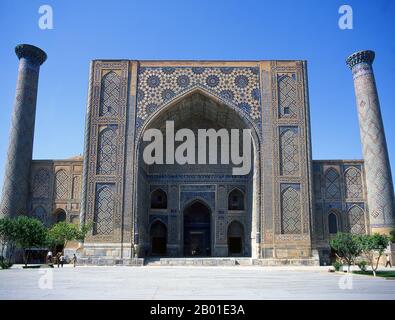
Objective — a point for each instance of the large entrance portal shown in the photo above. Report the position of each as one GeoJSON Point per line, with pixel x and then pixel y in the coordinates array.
{"type": "Point", "coordinates": [197, 231]}
{"type": "Point", "coordinates": [194, 196]}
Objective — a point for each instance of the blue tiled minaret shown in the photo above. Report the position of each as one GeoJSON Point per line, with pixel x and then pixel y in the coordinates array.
{"type": "Point", "coordinates": [19, 156]}
{"type": "Point", "coordinates": [380, 190]}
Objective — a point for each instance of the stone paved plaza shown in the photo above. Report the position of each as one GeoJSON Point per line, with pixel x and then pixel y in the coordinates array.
{"type": "Point", "coordinates": [191, 283]}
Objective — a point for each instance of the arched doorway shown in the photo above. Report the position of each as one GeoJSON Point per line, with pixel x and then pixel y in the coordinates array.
{"type": "Point", "coordinates": [235, 239]}
{"type": "Point", "coordinates": [197, 229]}
{"type": "Point", "coordinates": [59, 216]}
{"type": "Point", "coordinates": [332, 223]}
{"type": "Point", "coordinates": [158, 235]}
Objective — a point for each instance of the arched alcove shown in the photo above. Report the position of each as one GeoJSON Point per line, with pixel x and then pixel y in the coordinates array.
{"type": "Point", "coordinates": [333, 226]}
{"type": "Point", "coordinates": [158, 236]}
{"type": "Point", "coordinates": [235, 236]}
{"type": "Point", "coordinates": [158, 199]}
{"type": "Point", "coordinates": [195, 110]}
{"type": "Point", "coordinates": [236, 200]}
{"type": "Point", "coordinates": [59, 215]}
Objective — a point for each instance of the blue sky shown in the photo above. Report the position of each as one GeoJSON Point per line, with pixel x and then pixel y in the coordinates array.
{"type": "Point", "coordinates": [197, 29]}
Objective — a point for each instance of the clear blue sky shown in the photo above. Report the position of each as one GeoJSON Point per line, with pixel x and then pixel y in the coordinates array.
{"type": "Point", "coordinates": [197, 29]}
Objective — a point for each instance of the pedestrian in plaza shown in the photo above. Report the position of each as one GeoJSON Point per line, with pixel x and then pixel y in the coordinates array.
{"type": "Point", "coordinates": [61, 258]}
{"type": "Point", "coordinates": [74, 260]}
{"type": "Point", "coordinates": [49, 256]}
{"type": "Point", "coordinates": [388, 262]}
{"type": "Point", "coordinates": [58, 258]}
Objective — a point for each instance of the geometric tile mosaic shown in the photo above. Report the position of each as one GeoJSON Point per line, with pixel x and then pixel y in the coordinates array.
{"type": "Point", "coordinates": [287, 99]}
{"type": "Point", "coordinates": [332, 183]}
{"type": "Point", "coordinates": [109, 102]}
{"type": "Point", "coordinates": [353, 183]}
{"type": "Point", "coordinates": [289, 152]}
{"type": "Point", "coordinates": [235, 86]}
{"type": "Point", "coordinates": [290, 212]}
{"type": "Point", "coordinates": [61, 184]}
{"type": "Point", "coordinates": [107, 152]}
{"type": "Point", "coordinates": [41, 184]}
{"type": "Point", "coordinates": [356, 220]}
{"type": "Point", "coordinates": [104, 211]}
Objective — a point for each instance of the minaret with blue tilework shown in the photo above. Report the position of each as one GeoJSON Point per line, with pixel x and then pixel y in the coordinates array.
{"type": "Point", "coordinates": [380, 190]}
{"type": "Point", "coordinates": [20, 148]}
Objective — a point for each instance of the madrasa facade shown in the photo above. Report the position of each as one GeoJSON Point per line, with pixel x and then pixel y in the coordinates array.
{"type": "Point", "coordinates": [284, 210]}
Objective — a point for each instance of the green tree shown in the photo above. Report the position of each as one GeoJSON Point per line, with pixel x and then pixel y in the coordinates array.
{"type": "Point", "coordinates": [84, 229]}
{"type": "Point", "coordinates": [373, 247]}
{"type": "Point", "coordinates": [63, 232]}
{"type": "Point", "coordinates": [346, 247]}
{"type": "Point", "coordinates": [392, 235]}
{"type": "Point", "coordinates": [29, 233]}
{"type": "Point", "coordinates": [7, 241]}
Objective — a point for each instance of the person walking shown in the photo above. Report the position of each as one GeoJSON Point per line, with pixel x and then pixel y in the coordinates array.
{"type": "Point", "coordinates": [58, 258]}
{"type": "Point", "coordinates": [388, 262]}
{"type": "Point", "coordinates": [61, 258]}
{"type": "Point", "coordinates": [74, 260]}
{"type": "Point", "coordinates": [49, 256]}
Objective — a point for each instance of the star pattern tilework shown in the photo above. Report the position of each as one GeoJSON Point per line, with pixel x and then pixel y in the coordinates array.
{"type": "Point", "coordinates": [236, 86]}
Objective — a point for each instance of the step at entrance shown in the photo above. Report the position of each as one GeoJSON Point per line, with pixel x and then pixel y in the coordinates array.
{"type": "Point", "coordinates": [152, 261]}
